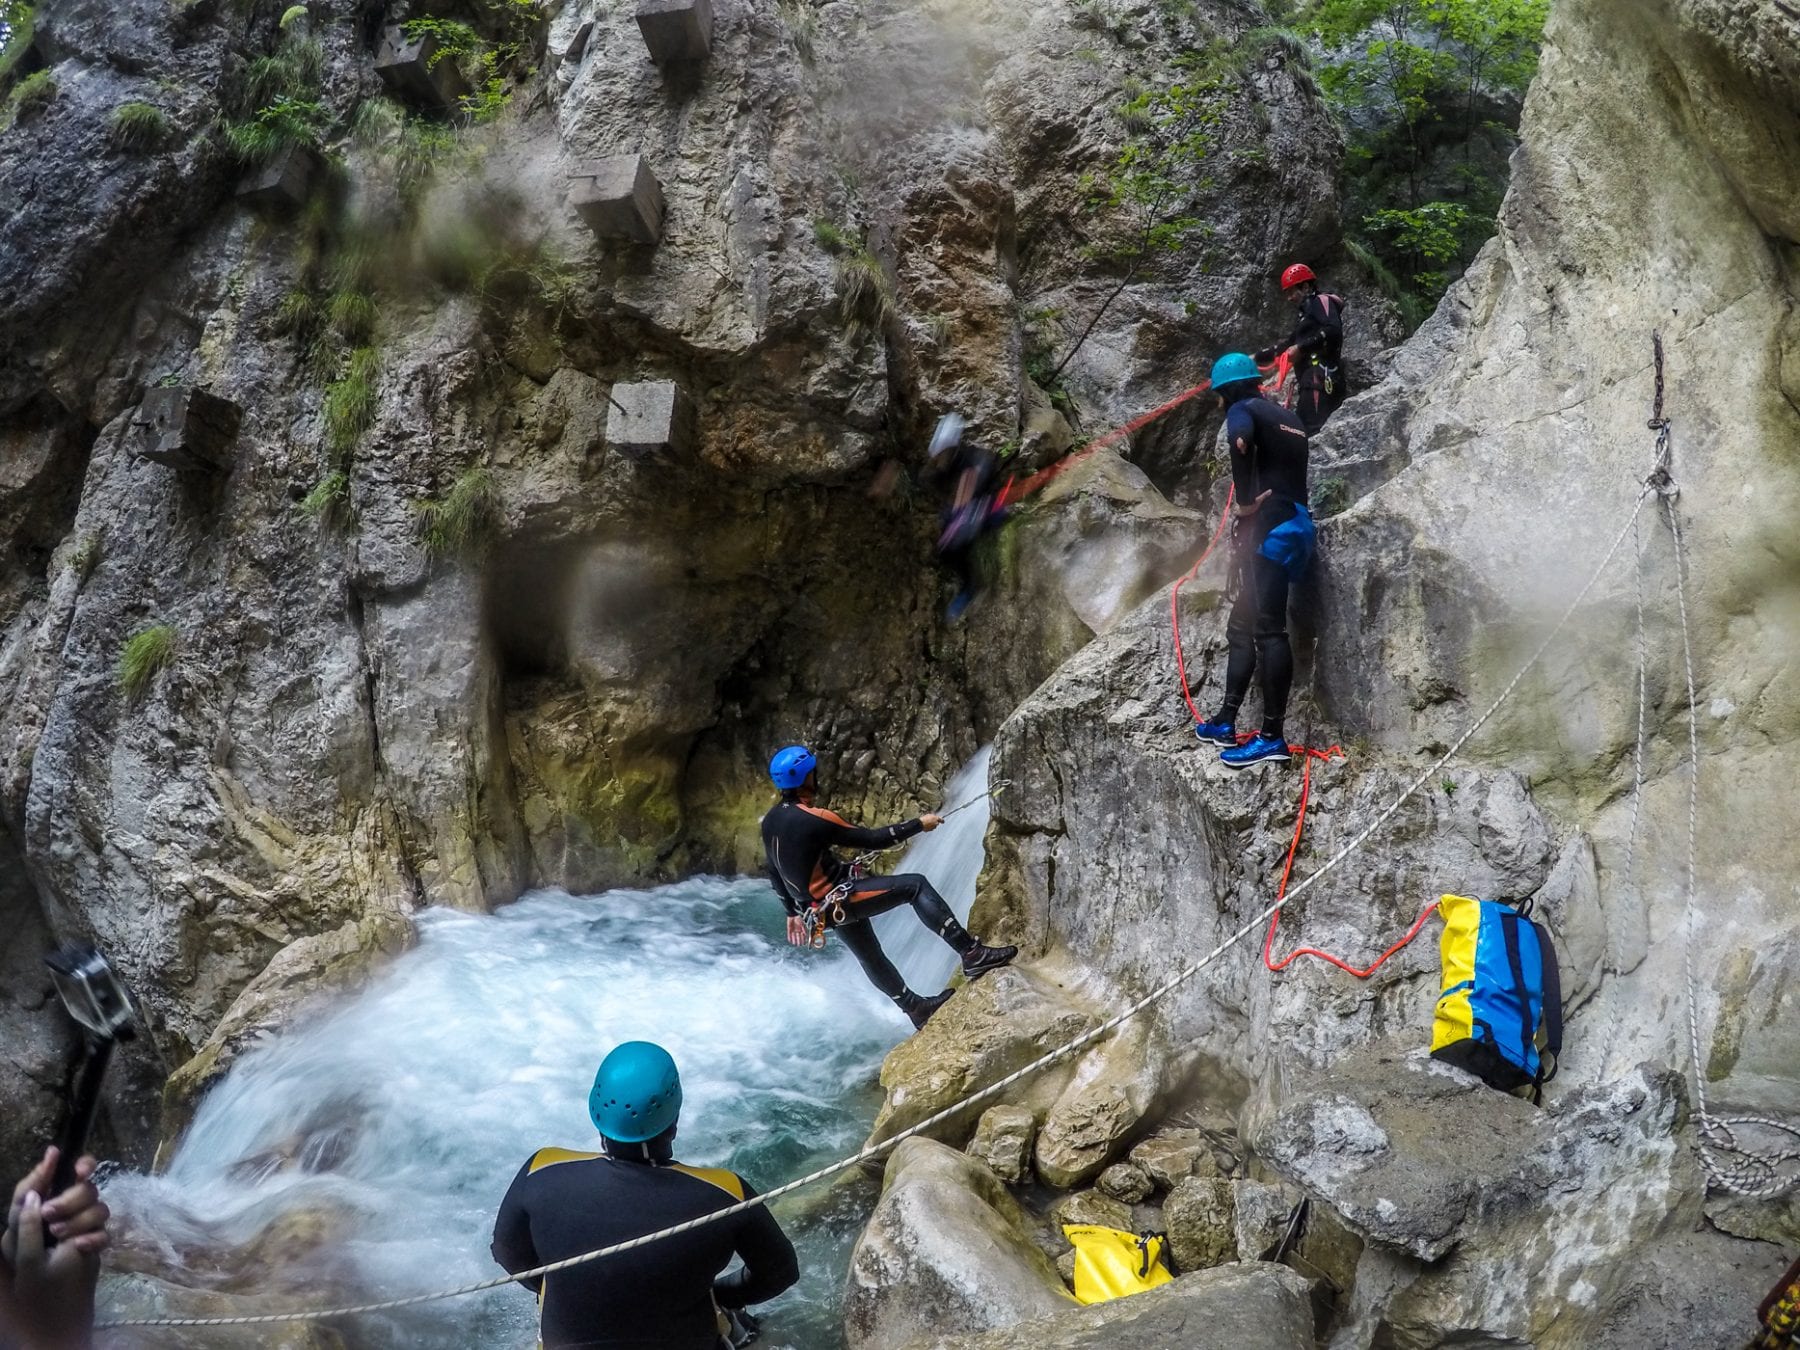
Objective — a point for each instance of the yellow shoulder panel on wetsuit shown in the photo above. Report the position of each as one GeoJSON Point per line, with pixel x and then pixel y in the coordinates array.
{"type": "Point", "coordinates": [729, 1182]}
{"type": "Point", "coordinates": [548, 1157]}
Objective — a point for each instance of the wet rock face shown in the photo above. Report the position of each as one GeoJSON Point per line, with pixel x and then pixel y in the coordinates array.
{"type": "Point", "coordinates": [1255, 1307]}
{"type": "Point", "coordinates": [1487, 1216]}
{"type": "Point", "coordinates": [946, 1251]}
{"type": "Point", "coordinates": [589, 700]}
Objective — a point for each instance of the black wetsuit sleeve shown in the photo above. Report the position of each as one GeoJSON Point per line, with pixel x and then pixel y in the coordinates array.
{"type": "Point", "coordinates": [781, 891]}
{"type": "Point", "coordinates": [770, 1266]}
{"type": "Point", "coordinates": [512, 1246]}
{"type": "Point", "coordinates": [878, 836]}
{"type": "Point", "coordinates": [1240, 439]}
{"type": "Point", "coordinates": [1311, 331]}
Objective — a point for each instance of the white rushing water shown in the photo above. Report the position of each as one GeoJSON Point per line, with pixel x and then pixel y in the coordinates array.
{"type": "Point", "coordinates": [951, 857]}
{"type": "Point", "coordinates": [391, 1125]}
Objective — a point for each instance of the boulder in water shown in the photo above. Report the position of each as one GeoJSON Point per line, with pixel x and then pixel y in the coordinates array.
{"type": "Point", "coordinates": [947, 1250]}
{"type": "Point", "coordinates": [302, 973]}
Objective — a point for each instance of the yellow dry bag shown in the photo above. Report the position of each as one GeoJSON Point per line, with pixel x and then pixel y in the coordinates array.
{"type": "Point", "coordinates": [1111, 1264]}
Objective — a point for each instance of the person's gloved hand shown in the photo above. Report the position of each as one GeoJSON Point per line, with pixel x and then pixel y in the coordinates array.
{"type": "Point", "coordinates": [1266, 357]}
{"type": "Point", "coordinates": [47, 1293]}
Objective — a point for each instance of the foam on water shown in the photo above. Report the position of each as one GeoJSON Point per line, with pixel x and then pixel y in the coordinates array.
{"type": "Point", "coordinates": [413, 1103]}
{"type": "Point", "coordinates": [951, 856]}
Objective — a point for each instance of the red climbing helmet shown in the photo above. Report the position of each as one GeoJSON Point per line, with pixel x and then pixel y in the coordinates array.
{"type": "Point", "coordinates": [1295, 274]}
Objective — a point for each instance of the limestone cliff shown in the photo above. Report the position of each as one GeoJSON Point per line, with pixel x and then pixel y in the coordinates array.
{"type": "Point", "coordinates": [1474, 491]}
{"type": "Point", "coordinates": [874, 212]}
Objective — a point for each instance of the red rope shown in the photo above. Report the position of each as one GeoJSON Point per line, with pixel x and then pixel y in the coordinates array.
{"type": "Point", "coordinates": [1175, 606]}
{"type": "Point", "coordinates": [1283, 368]}
{"type": "Point", "coordinates": [1362, 973]}
{"type": "Point", "coordinates": [1013, 491]}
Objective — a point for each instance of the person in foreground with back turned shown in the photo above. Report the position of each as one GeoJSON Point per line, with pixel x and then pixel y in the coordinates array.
{"type": "Point", "coordinates": [668, 1294]}
{"type": "Point", "coordinates": [798, 836]}
{"type": "Point", "coordinates": [1272, 546]}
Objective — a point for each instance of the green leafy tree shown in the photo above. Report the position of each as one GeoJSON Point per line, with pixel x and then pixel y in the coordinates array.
{"type": "Point", "coordinates": [1411, 79]}
{"type": "Point", "coordinates": [1427, 237]}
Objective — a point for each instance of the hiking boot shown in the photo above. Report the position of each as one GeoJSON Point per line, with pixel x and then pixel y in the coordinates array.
{"type": "Point", "coordinates": [1261, 750]}
{"type": "Point", "coordinates": [920, 1008]}
{"type": "Point", "coordinates": [984, 959]}
{"type": "Point", "coordinates": [1216, 733]}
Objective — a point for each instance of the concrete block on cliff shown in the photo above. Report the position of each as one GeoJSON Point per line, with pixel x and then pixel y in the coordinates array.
{"type": "Point", "coordinates": [651, 418]}
{"type": "Point", "coordinates": [676, 30]}
{"type": "Point", "coordinates": [417, 71]}
{"type": "Point", "coordinates": [186, 428]}
{"type": "Point", "coordinates": [618, 198]}
{"type": "Point", "coordinates": [281, 187]}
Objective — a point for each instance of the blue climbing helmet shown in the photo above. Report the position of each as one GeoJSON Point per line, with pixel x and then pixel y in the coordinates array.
{"type": "Point", "coordinates": [791, 766]}
{"type": "Point", "coordinates": [1233, 368]}
{"type": "Point", "coordinates": [637, 1093]}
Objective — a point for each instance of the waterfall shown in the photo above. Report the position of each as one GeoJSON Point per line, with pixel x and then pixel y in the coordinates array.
{"type": "Point", "coordinates": [362, 1154]}
{"type": "Point", "coordinates": [393, 1122]}
{"type": "Point", "coordinates": [950, 857]}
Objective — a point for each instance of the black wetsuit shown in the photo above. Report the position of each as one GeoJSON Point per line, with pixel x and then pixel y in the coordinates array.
{"type": "Point", "coordinates": [1318, 361]}
{"type": "Point", "coordinates": [563, 1203]}
{"type": "Point", "coordinates": [971, 470]}
{"type": "Point", "coordinates": [1268, 451]}
{"type": "Point", "coordinates": [798, 839]}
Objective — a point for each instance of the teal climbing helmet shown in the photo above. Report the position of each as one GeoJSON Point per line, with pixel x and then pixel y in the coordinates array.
{"type": "Point", "coordinates": [1234, 368]}
{"type": "Point", "coordinates": [637, 1093]}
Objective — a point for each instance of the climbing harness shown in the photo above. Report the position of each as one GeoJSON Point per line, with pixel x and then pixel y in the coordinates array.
{"type": "Point", "coordinates": [832, 906]}
{"type": "Point", "coordinates": [993, 1090]}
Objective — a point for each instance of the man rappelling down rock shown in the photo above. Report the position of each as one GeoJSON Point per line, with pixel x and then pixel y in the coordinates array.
{"type": "Point", "coordinates": [820, 891]}
{"type": "Point", "coordinates": [1271, 547]}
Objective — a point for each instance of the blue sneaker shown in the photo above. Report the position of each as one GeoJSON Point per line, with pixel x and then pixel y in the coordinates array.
{"type": "Point", "coordinates": [1216, 733]}
{"type": "Point", "coordinates": [959, 605]}
{"type": "Point", "coordinates": [1255, 752]}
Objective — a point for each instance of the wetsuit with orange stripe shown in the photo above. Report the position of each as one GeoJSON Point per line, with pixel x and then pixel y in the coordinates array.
{"type": "Point", "coordinates": [798, 839]}
{"type": "Point", "coordinates": [663, 1295]}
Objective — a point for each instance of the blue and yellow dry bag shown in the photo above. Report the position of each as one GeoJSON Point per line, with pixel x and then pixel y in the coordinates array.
{"type": "Point", "coordinates": [1110, 1263]}
{"type": "Point", "coordinates": [1500, 1013]}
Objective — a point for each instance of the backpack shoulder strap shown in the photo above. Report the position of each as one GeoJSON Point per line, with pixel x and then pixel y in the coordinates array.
{"type": "Point", "coordinates": [1553, 1023]}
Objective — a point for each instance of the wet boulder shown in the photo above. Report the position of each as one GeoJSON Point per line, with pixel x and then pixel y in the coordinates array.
{"type": "Point", "coordinates": [1244, 1307]}
{"type": "Point", "coordinates": [1003, 1139]}
{"type": "Point", "coordinates": [947, 1250]}
{"type": "Point", "coordinates": [1200, 1217]}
